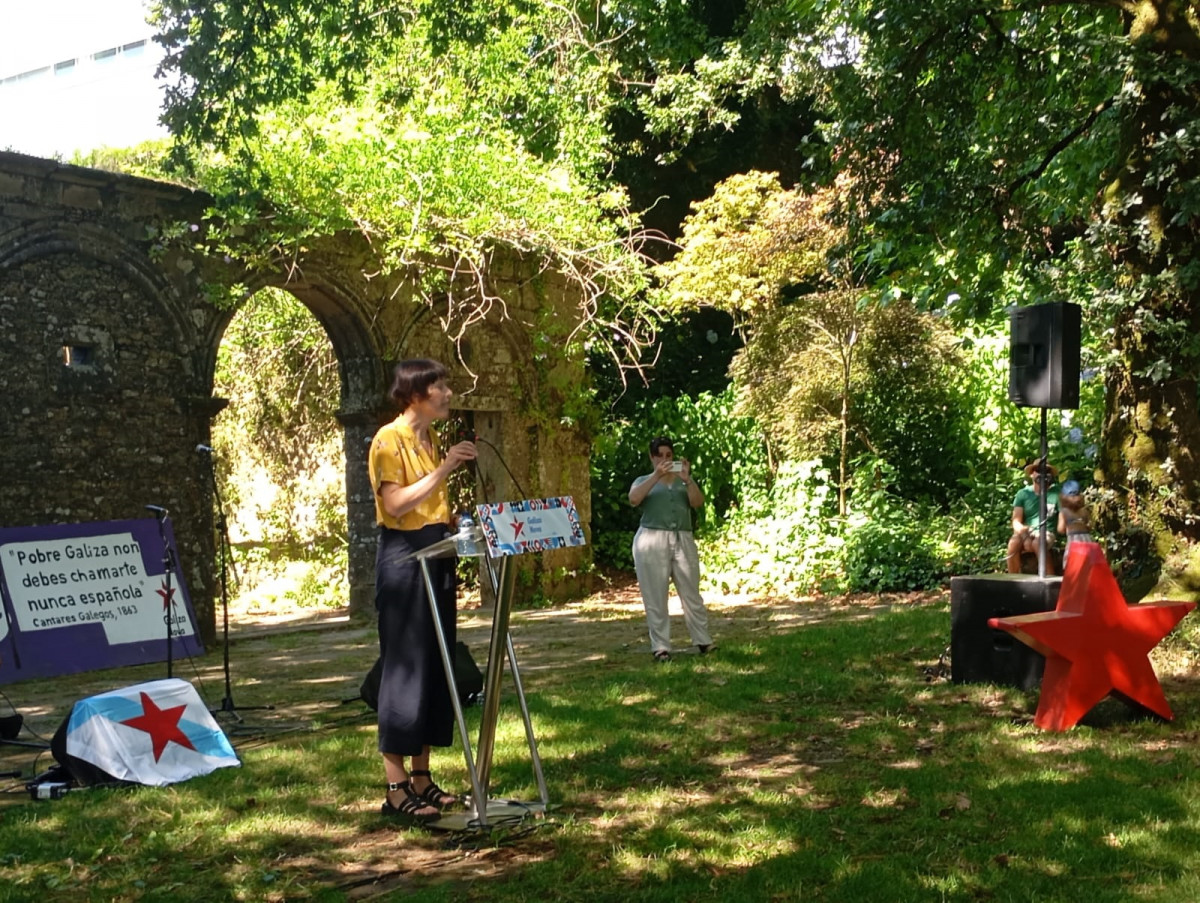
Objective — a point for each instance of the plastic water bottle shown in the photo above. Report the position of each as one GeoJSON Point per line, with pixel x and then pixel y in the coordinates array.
{"type": "Point", "coordinates": [464, 540]}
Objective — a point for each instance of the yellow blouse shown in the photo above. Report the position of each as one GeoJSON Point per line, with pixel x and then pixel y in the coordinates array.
{"type": "Point", "coordinates": [397, 457]}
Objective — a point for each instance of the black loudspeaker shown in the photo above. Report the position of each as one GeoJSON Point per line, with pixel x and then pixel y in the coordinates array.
{"type": "Point", "coordinates": [982, 654]}
{"type": "Point", "coordinates": [1043, 355]}
{"type": "Point", "coordinates": [10, 726]}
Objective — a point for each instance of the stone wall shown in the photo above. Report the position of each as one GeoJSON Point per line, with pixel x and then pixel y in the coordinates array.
{"type": "Point", "coordinates": [104, 405]}
{"type": "Point", "coordinates": [108, 346]}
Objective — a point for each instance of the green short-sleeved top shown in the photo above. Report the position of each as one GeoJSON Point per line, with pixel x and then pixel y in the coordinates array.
{"type": "Point", "coordinates": [666, 506]}
{"type": "Point", "coordinates": [1027, 500]}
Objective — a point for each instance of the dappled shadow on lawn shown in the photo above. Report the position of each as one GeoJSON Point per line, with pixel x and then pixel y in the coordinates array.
{"type": "Point", "coordinates": [810, 757]}
{"type": "Point", "coordinates": [852, 777]}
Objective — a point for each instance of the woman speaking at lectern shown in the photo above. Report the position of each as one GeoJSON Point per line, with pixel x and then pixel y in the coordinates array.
{"type": "Point", "coordinates": [408, 471]}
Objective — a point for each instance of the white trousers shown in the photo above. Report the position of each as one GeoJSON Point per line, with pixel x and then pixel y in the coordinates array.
{"type": "Point", "coordinates": [659, 557]}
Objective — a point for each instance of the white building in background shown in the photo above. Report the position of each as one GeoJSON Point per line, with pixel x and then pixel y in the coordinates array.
{"type": "Point", "coordinates": [76, 75]}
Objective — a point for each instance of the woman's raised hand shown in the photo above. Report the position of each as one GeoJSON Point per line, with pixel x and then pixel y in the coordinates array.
{"type": "Point", "coordinates": [460, 453]}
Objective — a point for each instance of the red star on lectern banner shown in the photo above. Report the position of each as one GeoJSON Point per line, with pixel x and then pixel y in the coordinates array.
{"type": "Point", "coordinates": [1095, 643]}
{"type": "Point", "coordinates": [161, 724]}
{"type": "Point", "coordinates": [168, 595]}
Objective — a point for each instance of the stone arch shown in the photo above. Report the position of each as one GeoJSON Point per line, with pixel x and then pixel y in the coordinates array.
{"type": "Point", "coordinates": [30, 242]}
{"type": "Point", "coordinates": [356, 346]}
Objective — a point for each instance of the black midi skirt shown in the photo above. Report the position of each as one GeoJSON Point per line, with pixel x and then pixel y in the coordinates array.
{"type": "Point", "coordinates": [414, 698]}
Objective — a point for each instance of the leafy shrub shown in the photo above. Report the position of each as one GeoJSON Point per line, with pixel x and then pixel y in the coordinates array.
{"type": "Point", "coordinates": [783, 541]}
{"type": "Point", "coordinates": [1135, 562]}
{"type": "Point", "coordinates": [910, 403]}
{"type": "Point", "coordinates": [971, 542]}
{"type": "Point", "coordinates": [891, 551]}
{"type": "Point", "coordinates": [614, 548]}
{"type": "Point", "coordinates": [826, 376]}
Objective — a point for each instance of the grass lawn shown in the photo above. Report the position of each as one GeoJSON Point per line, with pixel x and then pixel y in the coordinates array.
{"type": "Point", "coordinates": [808, 759]}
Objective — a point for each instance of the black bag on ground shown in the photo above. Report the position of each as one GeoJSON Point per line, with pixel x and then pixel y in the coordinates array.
{"type": "Point", "coordinates": [84, 773]}
{"type": "Point", "coordinates": [467, 677]}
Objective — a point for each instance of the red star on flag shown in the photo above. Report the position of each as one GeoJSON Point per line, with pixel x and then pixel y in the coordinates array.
{"type": "Point", "coordinates": [518, 526]}
{"type": "Point", "coordinates": [168, 595]}
{"type": "Point", "coordinates": [1095, 643]}
{"type": "Point", "coordinates": [161, 724]}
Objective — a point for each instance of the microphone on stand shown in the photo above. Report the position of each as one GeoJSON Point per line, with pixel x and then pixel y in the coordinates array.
{"type": "Point", "coordinates": [159, 512]}
{"type": "Point", "coordinates": [464, 433]}
{"type": "Point", "coordinates": [204, 449]}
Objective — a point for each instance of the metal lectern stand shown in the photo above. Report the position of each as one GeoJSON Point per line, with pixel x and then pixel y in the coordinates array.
{"type": "Point", "coordinates": [483, 810]}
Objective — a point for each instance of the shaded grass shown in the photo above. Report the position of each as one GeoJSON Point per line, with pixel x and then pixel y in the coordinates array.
{"type": "Point", "coordinates": [812, 764]}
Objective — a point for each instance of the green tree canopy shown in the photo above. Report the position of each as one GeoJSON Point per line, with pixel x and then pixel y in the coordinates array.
{"type": "Point", "coordinates": [438, 140]}
{"type": "Point", "coordinates": [826, 370]}
{"type": "Point", "coordinates": [1000, 152]}
{"type": "Point", "coordinates": [747, 244]}
{"type": "Point", "coordinates": [1015, 153]}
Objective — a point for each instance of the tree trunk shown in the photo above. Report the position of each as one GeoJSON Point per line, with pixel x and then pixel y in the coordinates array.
{"type": "Point", "coordinates": [1149, 471]}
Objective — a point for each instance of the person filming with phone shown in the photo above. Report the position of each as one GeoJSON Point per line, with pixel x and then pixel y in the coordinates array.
{"type": "Point", "coordinates": [664, 549]}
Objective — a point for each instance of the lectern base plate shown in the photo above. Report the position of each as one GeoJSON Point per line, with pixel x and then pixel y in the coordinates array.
{"type": "Point", "coordinates": [500, 813]}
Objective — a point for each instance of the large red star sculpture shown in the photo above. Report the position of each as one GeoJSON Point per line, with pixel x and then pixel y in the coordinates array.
{"type": "Point", "coordinates": [161, 724]}
{"type": "Point", "coordinates": [1095, 643]}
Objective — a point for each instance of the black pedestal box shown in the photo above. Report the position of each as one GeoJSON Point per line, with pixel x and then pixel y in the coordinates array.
{"type": "Point", "coordinates": [981, 654]}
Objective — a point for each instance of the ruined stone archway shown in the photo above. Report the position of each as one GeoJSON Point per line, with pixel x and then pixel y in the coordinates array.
{"type": "Point", "coordinates": [361, 405]}
{"type": "Point", "coordinates": [83, 266]}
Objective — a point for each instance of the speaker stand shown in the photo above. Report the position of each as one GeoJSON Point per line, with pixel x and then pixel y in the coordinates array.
{"type": "Point", "coordinates": [1042, 502]}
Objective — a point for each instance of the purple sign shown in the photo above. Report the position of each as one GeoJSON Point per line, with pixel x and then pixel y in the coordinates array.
{"type": "Point", "coordinates": [79, 597]}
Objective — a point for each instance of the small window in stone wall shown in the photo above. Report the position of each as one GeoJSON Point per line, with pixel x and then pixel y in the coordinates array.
{"type": "Point", "coordinates": [79, 356]}
{"type": "Point", "coordinates": [86, 359]}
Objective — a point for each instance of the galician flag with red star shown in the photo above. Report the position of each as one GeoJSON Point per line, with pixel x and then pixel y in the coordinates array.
{"type": "Point", "coordinates": [155, 733]}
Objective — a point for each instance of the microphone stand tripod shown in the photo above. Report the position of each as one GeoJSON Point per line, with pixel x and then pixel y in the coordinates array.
{"type": "Point", "coordinates": [226, 568]}
{"type": "Point", "coordinates": [160, 514]}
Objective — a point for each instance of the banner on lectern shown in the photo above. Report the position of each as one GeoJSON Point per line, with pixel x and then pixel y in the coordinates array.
{"type": "Point", "coordinates": [80, 597]}
{"type": "Point", "coordinates": [530, 525]}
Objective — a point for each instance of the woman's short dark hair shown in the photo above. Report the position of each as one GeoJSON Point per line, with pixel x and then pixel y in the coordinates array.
{"type": "Point", "coordinates": [657, 445]}
{"type": "Point", "coordinates": [412, 378]}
